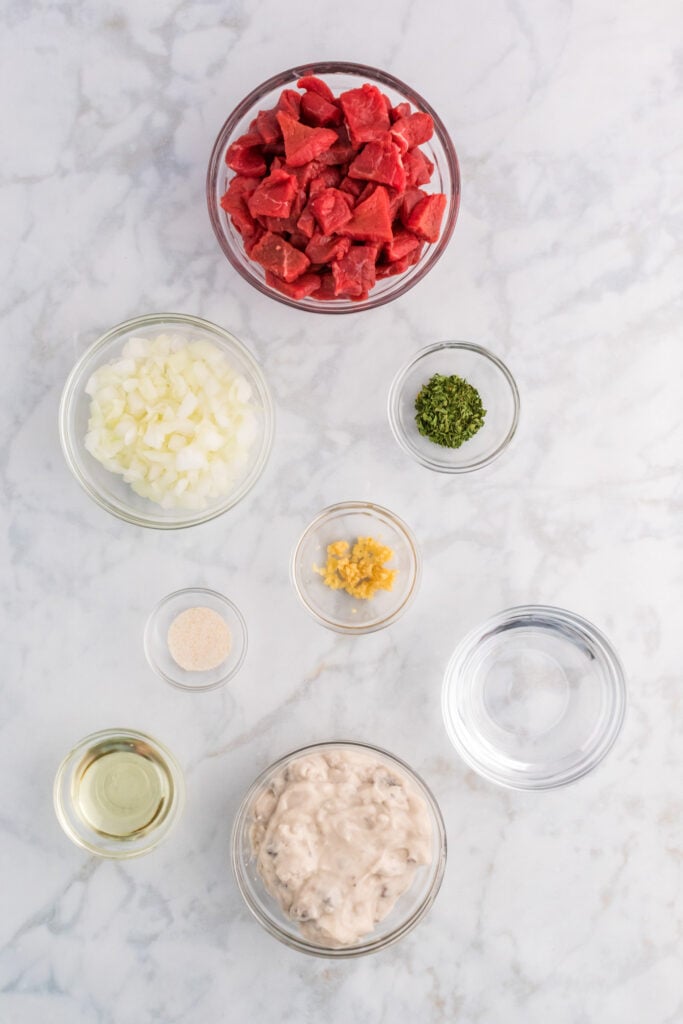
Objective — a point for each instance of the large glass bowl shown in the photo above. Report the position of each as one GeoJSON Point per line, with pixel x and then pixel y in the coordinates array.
{"type": "Point", "coordinates": [534, 697]}
{"type": "Point", "coordinates": [410, 908]}
{"type": "Point", "coordinates": [339, 75]}
{"type": "Point", "coordinates": [108, 489]}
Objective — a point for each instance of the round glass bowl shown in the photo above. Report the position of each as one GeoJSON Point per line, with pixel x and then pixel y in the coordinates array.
{"type": "Point", "coordinates": [118, 793]}
{"type": "Point", "coordinates": [156, 639]}
{"type": "Point", "coordinates": [487, 374]}
{"type": "Point", "coordinates": [534, 697]}
{"type": "Point", "coordinates": [336, 609]}
{"type": "Point", "coordinates": [340, 76]}
{"type": "Point", "coordinates": [410, 908]}
{"type": "Point", "coordinates": [109, 489]}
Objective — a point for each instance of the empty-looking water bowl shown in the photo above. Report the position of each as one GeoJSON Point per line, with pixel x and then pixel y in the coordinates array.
{"type": "Point", "coordinates": [534, 697]}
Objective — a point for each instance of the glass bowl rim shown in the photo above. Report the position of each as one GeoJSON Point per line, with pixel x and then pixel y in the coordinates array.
{"type": "Point", "coordinates": [402, 528]}
{"type": "Point", "coordinates": [74, 380]}
{"type": "Point", "coordinates": [157, 835]}
{"type": "Point", "coordinates": [616, 681]}
{"type": "Point", "coordinates": [327, 67]}
{"type": "Point", "coordinates": [396, 390]}
{"type": "Point", "coordinates": [207, 592]}
{"type": "Point", "coordinates": [299, 942]}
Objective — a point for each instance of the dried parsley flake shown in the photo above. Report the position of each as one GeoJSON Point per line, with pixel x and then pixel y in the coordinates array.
{"type": "Point", "coordinates": [448, 410]}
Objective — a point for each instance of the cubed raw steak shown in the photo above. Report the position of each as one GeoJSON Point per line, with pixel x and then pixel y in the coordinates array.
{"type": "Point", "coordinates": [371, 221]}
{"type": "Point", "coordinates": [303, 143]}
{"type": "Point", "coordinates": [277, 255]}
{"type": "Point", "coordinates": [366, 113]}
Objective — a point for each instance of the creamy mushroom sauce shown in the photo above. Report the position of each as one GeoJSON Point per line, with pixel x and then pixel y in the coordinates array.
{"type": "Point", "coordinates": [338, 836]}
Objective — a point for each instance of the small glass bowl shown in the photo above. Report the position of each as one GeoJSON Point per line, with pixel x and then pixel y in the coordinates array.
{"type": "Point", "coordinates": [487, 374]}
{"type": "Point", "coordinates": [339, 75]}
{"type": "Point", "coordinates": [156, 642]}
{"type": "Point", "coordinates": [69, 774]}
{"type": "Point", "coordinates": [336, 609]}
{"type": "Point", "coordinates": [108, 489]}
{"type": "Point", "coordinates": [534, 697]}
{"type": "Point", "coordinates": [409, 909]}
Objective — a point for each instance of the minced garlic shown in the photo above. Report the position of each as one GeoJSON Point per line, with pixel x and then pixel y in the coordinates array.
{"type": "Point", "coordinates": [362, 572]}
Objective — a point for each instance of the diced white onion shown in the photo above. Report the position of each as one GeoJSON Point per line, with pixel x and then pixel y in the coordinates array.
{"type": "Point", "coordinates": [173, 419]}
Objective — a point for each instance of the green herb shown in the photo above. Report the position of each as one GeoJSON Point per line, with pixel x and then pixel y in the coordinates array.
{"type": "Point", "coordinates": [448, 410]}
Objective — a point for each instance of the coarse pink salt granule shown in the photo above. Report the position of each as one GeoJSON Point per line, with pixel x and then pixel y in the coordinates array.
{"type": "Point", "coordinates": [198, 639]}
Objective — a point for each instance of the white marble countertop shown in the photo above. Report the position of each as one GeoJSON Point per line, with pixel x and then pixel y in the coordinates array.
{"type": "Point", "coordinates": [561, 907]}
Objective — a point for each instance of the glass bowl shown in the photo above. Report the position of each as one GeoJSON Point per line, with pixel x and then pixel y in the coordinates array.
{"type": "Point", "coordinates": [336, 609]}
{"type": "Point", "coordinates": [74, 781]}
{"type": "Point", "coordinates": [487, 374]}
{"type": "Point", "coordinates": [156, 643]}
{"type": "Point", "coordinates": [534, 697]}
{"type": "Point", "coordinates": [109, 489]}
{"type": "Point", "coordinates": [410, 908]}
{"type": "Point", "coordinates": [339, 75]}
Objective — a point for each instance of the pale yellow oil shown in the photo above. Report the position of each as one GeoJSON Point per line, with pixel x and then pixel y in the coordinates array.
{"type": "Point", "coordinates": [122, 788]}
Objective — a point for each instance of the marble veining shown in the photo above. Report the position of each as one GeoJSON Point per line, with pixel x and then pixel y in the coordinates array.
{"type": "Point", "coordinates": [560, 907]}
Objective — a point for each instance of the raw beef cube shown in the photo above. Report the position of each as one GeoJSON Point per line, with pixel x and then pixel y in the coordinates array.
{"type": "Point", "coordinates": [325, 248]}
{"type": "Point", "coordinates": [411, 198]}
{"type": "Point", "coordinates": [277, 255]}
{"type": "Point", "coordinates": [267, 126]}
{"type": "Point", "coordinates": [274, 196]}
{"type": "Point", "coordinates": [302, 143]}
{"type": "Point", "coordinates": [419, 168]}
{"type": "Point", "coordinates": [235, 200]}
{"type": "Point", "coordinates": [329, 177]}
{"type": "Point", "coordinates": [400, 110]}
{"type": "Point", "coordinates": [306, 222]}
{"type": "Point", "coordinates": [306, 172]}
{"type": "Point", "coordinates": [353, 186]}
{"type": "Point", "coordinates": [366, 113]}
{"type": "Point", "coordinates": [426, 216]}
{"type": "Point", "coordinates": [326, 290]}
{"type": "Point", "coordinates": [399, 266]}
{"type": "Point", "coordinates": [245, 156]}
{"type": "Point", "coordinates": [354, 274]}
{"type": "Point", "coordinates": [380, 163]}
{"type": "Point", "coordinates": [312, 84]}
{"type": "Point", "coordinates": [371, 220]}
{"type": "Point", "coordinates": [252, 240]}
{"type": "Point", "coordinates": [402, 243]}
{"type": "Point", "coordinates": [317, 111]}
{"type": "Point", "coordinates": [299, 289]}
{"type": "Point", "coordinates": [291, 223]}
{"type": "Point", "coordinates": [331, 210]}
{"type": "Point", "coordinates": [290, 103]}
{"type": "Point", "coordinates": [414, 129]}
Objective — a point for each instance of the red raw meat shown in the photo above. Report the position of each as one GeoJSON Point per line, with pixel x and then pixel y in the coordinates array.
{"type": "Point", "coordinates": [399, 266]}
{"type": "Point", "coordinates": [329, 177]}
{"type": "Point", "coordinates": [414, 129]}
{"type": "Point", "coordinates": [326, 290]}
{"type": "Point", "coordinates": [331, 210]}
{"type": "Point", "coordinates": [402, 243]}
{"type": "Point", "coordinates": [312, 84]}
{"type": "Point", "coordinates": [354, 186]}
{"type": "Point", "coordinates": [411, 197]}
{"type": "Point", "coordinates": [274, 196]}
{"type": "Point", "coordinates": [245, 155]}
{"type": "Point", "coordinates": [290, 103]}
{"type": "Point", "coordinates": [371, 220]}
{"type": "Point", "coordinates": [234, 202]}
{"type": "Point", "coordinates": [419, 168]}
{"type": "Point", "coordinates": [252, 240]}
{"type": "Point", "coordinates": [306, 172]}
{"type": "Point", "coordinates": [277, 255]}
{"type": "Point", "coordinates": [267, 126]}
{"type": "Point", "coordinates": [354, 274]}
{"type": "Point", "coordinates": [303, 143]}
{"type": "Point", "coordinates": [400, 110]}
{"type": "Point", "coordinates": [299, 289]}
{"type": "Point", "coordinates": [380, 163]}
{"type": "Point", "coordinates": [317, 111]}
{"type": "Point", "coordinates": [426, 216]}
{"type": "Point", "coordinates": [324, 248]}
{"type": "Point", "coordinates": [366, 113]}
{"type": "Point", "coordinates": [306, 222]}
